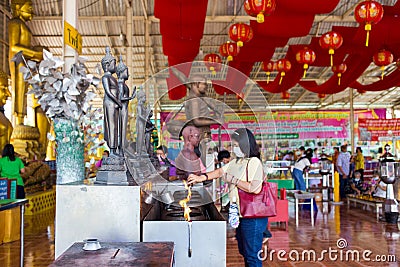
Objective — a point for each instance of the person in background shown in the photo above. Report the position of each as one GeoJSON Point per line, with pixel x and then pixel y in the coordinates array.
{"type": "Point", "coordinates": [11, 167]}
{"type": "Point", "coordinates": [106, 154]}
{"type": "Point", "coordinates": [315, 156]}
{"type": "Point", "coordinates": [249, 231]}
{"type": "Point", "coordinates": [289, 157]}
{"type": "Point", "coordinates": [386, 155]}
{"type": "Point", "coordinates": [224, 157]}
{"type": "Point", "coordinates": [162, 155]}
{"type": "Point", "coordinates": [379, 189]}
{"type": "Point", "coordinates": [301, 164]}
{"type": "Point", "coordinates": [352, 167]}
{"type": "Point", "coordinates": [359, 162]}
{"type": "Point", "coordinates": [335, 156]}
{"type": "Point", "coordinates": [356, 184]}
{"type": "Point", "coordinates": [343, 166]}
{"type": "Point", "coordinates": [215, 156]}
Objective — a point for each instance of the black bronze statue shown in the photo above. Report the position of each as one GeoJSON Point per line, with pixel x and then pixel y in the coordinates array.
{"type": "Point", "coordinates": [123, 75]}
{"type": "Point", "coordinates": [112, 104]}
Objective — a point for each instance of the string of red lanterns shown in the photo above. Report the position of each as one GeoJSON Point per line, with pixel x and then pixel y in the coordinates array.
{"type": "Point", "coordinates": [283, 66]}
{"type": "Point", "coordinates": [259, 8]}
{"type": "Point", "coordinates": [339, 70]}
{"type": "Point", "coordinates": [306, 57]}
{"type": "Point", "coordinates": [285, 95]}
{"type": "Point", "coordinates": [229, 50]}
{"type": "Point", "coordinates": [368, 13]}
{"type": "Point", "coordinates": [332, 41]}
{"type": "Point", "coordinates": [382, 59]}
{"type": "Point", "coordinates": [269, 67]}
{"type": "Point", "coordinates": [240, 33]}
{"type": "Point", "coordinates": [213, 62]}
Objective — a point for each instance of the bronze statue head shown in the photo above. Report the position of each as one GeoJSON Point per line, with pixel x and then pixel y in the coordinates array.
{"type": "Point", "coordinates": [122, 69]}
{"type": "Point", "coordinates": [191, 134]}
{"type": "Point", "coordinates": [199, 84]}
{"type": "Point", "coordinates": [22, 9]}
{"type": "Point", "coordinates": [4, 92]}
{"type": "Point", "coordinates": [141, 96]}
{"type": "Point", "coordinates": [108, 62]}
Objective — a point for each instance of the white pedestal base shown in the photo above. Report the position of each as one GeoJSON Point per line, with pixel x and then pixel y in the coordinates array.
{"type": "Point", "coordinates": [109, 213]}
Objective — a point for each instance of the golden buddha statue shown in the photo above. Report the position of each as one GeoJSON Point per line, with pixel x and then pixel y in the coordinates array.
{"type": "Point", "coordinates": [19, 38]}
{"type": "Point", "coordinates": [5, 125]}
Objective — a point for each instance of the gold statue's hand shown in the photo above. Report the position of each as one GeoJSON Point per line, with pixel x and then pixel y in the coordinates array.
{"type": "Point", "coordinates": [38, 55]}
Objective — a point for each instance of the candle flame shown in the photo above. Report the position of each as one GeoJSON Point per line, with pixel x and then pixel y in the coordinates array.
{"type": "Point", "coordinates": [183, 202]}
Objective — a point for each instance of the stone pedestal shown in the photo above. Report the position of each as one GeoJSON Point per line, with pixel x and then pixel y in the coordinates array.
{"type": "Point", "coordinates": [112, 171]}
{"type": "Point", "coordinates": [108, 212]}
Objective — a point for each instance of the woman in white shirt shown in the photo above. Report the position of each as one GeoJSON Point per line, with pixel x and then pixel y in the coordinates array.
{"type": "Point", "coordinates": [249, 233]}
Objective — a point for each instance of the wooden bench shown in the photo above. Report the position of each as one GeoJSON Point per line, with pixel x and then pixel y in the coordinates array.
{"type": "Point", "coordinates": [376, 205]}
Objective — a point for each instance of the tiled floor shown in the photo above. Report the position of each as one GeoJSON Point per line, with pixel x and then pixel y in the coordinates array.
{"type": "Point", "coordinates": [358, 228]}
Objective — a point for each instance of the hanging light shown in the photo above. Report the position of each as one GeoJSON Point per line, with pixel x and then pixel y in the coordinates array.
{"type": "Point", "coordinates": [306, 57]}
{"type": "Point", "coordinates": [332, 41]}
{"type": "Point", "coordinates": [283, 66]}
{"type": "Point", "coordinates": [229, 50]}
{"type": "Point", "coordinates": [339, 70]}
{"type": "Point", "coordinates": [240, 32]}
{"type": "Point", "coordinates": [259, 8]}
{"type": "Point", "coordinates": [368, 13]}
{"type": "Point", "coordinates": [213, 62]}
{"type": "Point", "coordinates": [382, 59]}
{"type": "Point", "coordinates": [321, 95]}
{"type": "Point", "coordinates": [285, 95]}
{"type": "Point", "coordinates": [269, 67]}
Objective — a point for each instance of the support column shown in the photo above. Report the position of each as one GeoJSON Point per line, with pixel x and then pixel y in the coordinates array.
{"type": "Point", "coordinates": [147, 56]}
{"type": "Point", "coordinates": [352, 120]}
{"type": "Point", "coordinates": [70, 15]}
{"type": "Point", "coordinates": [129, 36]}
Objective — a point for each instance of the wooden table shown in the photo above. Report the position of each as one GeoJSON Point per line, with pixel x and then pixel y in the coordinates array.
{"type": "Point", "coordinates": [6, 204]}
{"type": "Point", "coordinates": [137, 254]}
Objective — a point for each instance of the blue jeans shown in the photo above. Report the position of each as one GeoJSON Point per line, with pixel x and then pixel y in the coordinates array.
{"type": "Point", "coordinates": [299, 183]}
{"type": "Point", "coordinates": [249, 235]}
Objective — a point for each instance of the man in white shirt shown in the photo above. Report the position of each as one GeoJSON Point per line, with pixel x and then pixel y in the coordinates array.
{"type": "Point", "coordinates": [301, 163]}
{"type": "Point", "coordinates": [343, 166]}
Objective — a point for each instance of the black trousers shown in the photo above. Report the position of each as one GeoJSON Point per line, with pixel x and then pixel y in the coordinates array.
{"type": "Point", "coordinates": [20, 191]}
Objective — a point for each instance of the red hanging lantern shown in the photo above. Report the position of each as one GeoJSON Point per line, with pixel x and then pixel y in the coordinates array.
{"type": "Point", "coordinates": [283, 66]}
{"type": "Point", "coordinates": [213, 62]}
{"type": "Point", "coordinates": [269, 67]}
{"type": "Point", "coordinates": [285, 95]}
{"type": "Point", "coordinates": [240, 32]}
{"type": "Point", "coordinates": [306, 57]}
{"type": "Point", "coordinates": [259, 8]}
{"type": "Point", "coordinates": [321, 95]}
{"type": "Point", "coordinates": [382, 59]}
{"type": "Point", "coordinates": [240, 97]}
{"type": "Point", "coordinates": [332, 41]}
{"type": "Point", "coordinates": [339, 70]}
{"type": "Point", "coordinates": [361, 91]}
{"type": "Point", "coordinates": [229, 50]}
{"type": "Point", "coordinates": [398, 63]}
{"type": "Point", "coordinates": [368, 13]}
